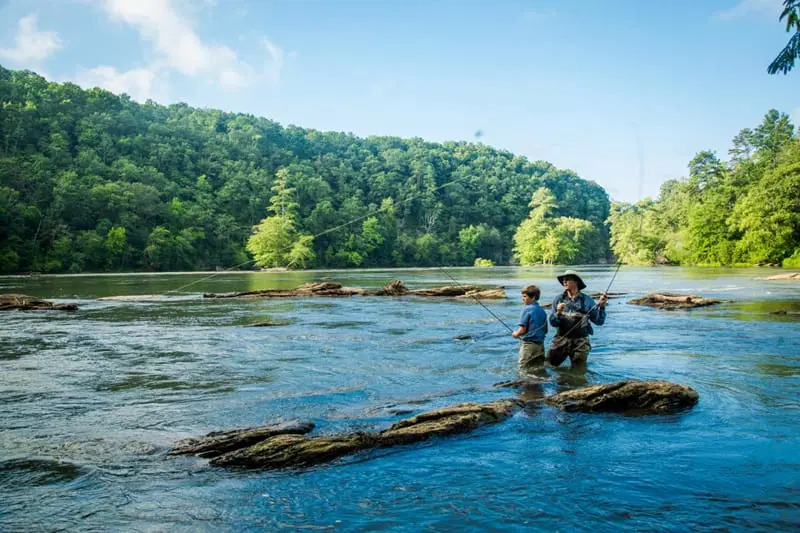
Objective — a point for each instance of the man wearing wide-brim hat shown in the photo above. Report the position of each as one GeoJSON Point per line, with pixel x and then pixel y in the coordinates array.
{"type": "Point", "coordinates": [571, 314]}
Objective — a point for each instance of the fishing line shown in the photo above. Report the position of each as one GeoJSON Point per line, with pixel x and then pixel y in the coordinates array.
{"type": "Point", "coordinates": [474, 298]}
{"type": "Point", "coordinates": [329, 230]}
{"type": "Point", "coordinates": [640, 153]}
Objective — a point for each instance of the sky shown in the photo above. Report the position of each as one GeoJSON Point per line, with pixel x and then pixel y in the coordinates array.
{"type": "Point", "coordinates": [623, 92]}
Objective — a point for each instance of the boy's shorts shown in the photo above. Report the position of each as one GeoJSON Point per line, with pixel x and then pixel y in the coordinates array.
{"type": "Point", "coordinates": [531, 355]}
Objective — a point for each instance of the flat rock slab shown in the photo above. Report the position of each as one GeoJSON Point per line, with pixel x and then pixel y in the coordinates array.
{"type": "Point", "coordinates": [788, 275]}
{"type": "Point", "coordinates": [217, 443]}
{"type": "Point", "coordinates": [24, 302]}
{"type": "Point", "coordinates": [632, 397]}
{"type": "Point", "coordinates": [282, 451]}
{"type": "Point", "coordinates": [671, 301]}
{"type": "Point", "coordinates": [133, 298]}
{"type": "Point", "coordinates": [393, 288]}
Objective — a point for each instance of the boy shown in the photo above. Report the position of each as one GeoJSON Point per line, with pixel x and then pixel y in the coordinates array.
{"type": "Point", "coordinates": [531, 331]}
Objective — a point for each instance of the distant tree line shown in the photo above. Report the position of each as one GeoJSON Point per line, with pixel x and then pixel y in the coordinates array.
{"type": "Point", "coordinates": [743, 211]}
{"type": "Point", "coordinates": [92, 181]}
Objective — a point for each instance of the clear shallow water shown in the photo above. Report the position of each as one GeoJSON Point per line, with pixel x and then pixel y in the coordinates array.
{"type": "Point", "coordinates": [91, 401]}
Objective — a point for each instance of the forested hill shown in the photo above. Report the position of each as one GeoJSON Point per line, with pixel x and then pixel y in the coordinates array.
{"type": "Point", "coordinates": [92, 181]}
{"type": "Point", "coordinates": [742, 211]}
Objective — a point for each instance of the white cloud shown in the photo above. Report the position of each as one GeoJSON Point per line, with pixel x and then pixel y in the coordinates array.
{"type": "Point", "coordinates": [275, 62]}
{"type": "Point", "coordinates": [140, 83]}
{"type": "Point", "coordinates": [31, 45]}
{"type": "Point", "coordinates": [174, 39]}
{"type": "Point", "coordinates": [769, 8]}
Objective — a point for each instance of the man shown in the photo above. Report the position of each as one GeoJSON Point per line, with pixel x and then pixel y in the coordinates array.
{"type": "Point", "coordinates": [571, 313]}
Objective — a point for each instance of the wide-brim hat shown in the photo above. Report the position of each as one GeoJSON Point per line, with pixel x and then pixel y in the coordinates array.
{"type": "Point", "coordinates": [572, 273]}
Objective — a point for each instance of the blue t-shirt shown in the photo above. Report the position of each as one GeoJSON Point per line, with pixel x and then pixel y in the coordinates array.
{"type": "Point", "coordinates": [534, 317]}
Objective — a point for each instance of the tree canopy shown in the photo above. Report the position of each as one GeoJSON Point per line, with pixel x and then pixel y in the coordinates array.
{"type": "Point", "coordinates": [92, 181]}
{"type": "Point", "coordinates": [784, 61]}
{"type": "Point", "coordinates": [746, 210]}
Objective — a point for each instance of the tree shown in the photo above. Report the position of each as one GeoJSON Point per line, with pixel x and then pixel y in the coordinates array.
{"type": "Point", "coordinates": [784, 61]}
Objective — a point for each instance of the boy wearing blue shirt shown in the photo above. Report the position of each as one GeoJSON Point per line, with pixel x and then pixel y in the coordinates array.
{"type": "Point", "coordinates": [531, 331]}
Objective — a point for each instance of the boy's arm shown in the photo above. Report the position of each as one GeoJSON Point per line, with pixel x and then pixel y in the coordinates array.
{"type": "Point", "coordinates": [524, 318]}
{"type": "Point", "coordinates": [522, 330]}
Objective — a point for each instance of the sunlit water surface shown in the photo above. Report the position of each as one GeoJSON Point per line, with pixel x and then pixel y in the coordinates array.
{"type": "Point", "coordinates": [91, 401]}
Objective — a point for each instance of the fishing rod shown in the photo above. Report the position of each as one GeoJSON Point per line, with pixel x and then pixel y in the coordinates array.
{"type": "Point", "coordinates": [474, 298]}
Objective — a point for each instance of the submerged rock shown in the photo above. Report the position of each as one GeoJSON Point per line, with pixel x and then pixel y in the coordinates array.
{"type": "Point", "coordinates": [284, 450]}
{"type": "Point", "coordinates": [639, 397]}
{"type": "Point", "coordinates": [219, 442]}
{"type": "Point", "coordinates": [673, 301]}
{"type": "Point", "coordinates": [25, 303]}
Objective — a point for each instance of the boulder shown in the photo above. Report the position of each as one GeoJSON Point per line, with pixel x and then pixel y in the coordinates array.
{"type": "Point", "coordinates": [673, 301]}
{"type": "Point", "coordinates": [286, 450]}
{"type": "Point", "coordinates": [632, 397]}
{"type": "Point", "coordinates": [25, 303]}
{"type": "Point", "coordinates": [219, 442]}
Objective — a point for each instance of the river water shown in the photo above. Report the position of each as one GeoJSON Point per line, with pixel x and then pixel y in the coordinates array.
{"type": "Point", "coordinates": [91, 401]}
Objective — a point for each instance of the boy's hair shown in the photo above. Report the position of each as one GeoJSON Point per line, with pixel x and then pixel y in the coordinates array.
{"type": "Point", "coordinates": [532, 291]}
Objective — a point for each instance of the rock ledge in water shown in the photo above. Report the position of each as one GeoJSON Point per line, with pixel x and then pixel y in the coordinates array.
{"type": "Point", "coordinates": [293, 450]}
{"type": "Point", "coordinates": [219, 442]}
{"type": "Point", "coordinates": [23, 302]}
{"type": "Point", "coordinates": [393, 288]}
{"type": "Point", "coordinates": [639, 397]}
{"type": "Point", "coordinates": [673, 301]}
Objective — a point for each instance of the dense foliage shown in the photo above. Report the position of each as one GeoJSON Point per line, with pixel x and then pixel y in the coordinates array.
{"type": "Point", "coordinates": [92, 181]}
{"type": "Point", "coordinates": [744, 211]}
{"type": "Point", "coordinates": [784, 61]}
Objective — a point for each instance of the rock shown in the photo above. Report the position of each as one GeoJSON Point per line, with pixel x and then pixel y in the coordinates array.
{"type": "Point", "coordinates": [219, 442]}
{"type": "Point", "coordinates": [26, 303]}
{"type": "Point", "coordinates": [269, 323]}
{"type": "Point", "coordinates": [633, 397]}
{"type": "Point", "coordinates": [283, 451]}
{"type": "Point", "coordinates": [447, 421]}
{"type": "Point", "coordinates": [393, 288]}
{"type": "Point", "coordinates": [307, 289]}
{"type": "Point", "coordinates": [673, 301]}
{"type": "Point", "coordinates": [788, 275]}
{"type": "Point", "coordinates": [485, 294]}
{"type": "Point", "coordinates": [132, 298]}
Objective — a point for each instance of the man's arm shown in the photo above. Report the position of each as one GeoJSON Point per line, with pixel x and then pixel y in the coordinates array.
{"type": "Point", "coordinates": [554, 320]}
{"type": "Point", "coordinates": [598, 311]}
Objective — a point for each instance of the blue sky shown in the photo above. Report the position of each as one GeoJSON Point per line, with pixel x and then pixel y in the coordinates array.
{"type": "Point", "coordinates": [570, 82]}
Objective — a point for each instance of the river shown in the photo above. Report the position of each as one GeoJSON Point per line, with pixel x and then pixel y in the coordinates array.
{"type": "Point", "coordinates": [91, 401]}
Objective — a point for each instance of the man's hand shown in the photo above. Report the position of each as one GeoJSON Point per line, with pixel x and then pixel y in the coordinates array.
{"type": "Point", "coordinates": [561, 307]}
{"type": "Point", "coordinates": [603, 300]}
